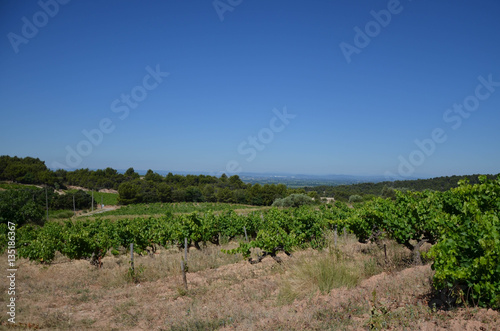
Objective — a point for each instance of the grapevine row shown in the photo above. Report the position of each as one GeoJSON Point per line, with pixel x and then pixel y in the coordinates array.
{"type": "Point", "coordinates": [462, 224]}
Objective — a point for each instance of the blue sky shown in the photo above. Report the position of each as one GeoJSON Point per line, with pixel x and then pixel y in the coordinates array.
{"type": "Point", "coordinates": [253, 86]}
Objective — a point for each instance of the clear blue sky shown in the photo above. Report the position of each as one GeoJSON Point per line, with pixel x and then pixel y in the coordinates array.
{"type": "Point", "coordinates": [359, 103]}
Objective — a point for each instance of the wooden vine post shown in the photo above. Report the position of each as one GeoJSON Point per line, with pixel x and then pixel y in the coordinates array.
{"type": "Point", "coordinates": [246, 236]}
{"type": "Point", "coordinates": [184, 266]}
{"type": "Point", "coordinates": [132, 257]}
{"type": "Point", "coordinates": [335, 236]}
{"type": "Point", "coordinates": [385, 253]}
{"type": "Point", "coordinates": [184, 279]}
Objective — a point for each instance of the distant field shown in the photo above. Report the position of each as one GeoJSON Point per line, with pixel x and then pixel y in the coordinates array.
{"type": "Point", "coordinates": [12, 186]}
{"type": "Point", "coordinates": [60, 214]}
{"type": "Point", "coordinates": [107, 198]}
{"type": "Point", "coordinates": [184, 207]}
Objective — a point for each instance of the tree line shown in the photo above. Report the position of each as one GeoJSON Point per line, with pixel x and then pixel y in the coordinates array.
{"type": "Point", "coordinates": [152, 187]}
{"type": "Point", "coordinates": [190, 188]}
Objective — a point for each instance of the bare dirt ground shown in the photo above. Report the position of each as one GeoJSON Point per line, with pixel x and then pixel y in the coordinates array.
{"type": "Point", "coordinates": [226, 293]}
{"type": "Point", "coordinates": [99, 210]}
{"type": "Point", "coordinates": [104, 190]}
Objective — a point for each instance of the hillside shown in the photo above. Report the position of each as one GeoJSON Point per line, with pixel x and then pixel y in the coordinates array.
{"type": "Point", "coordinates": [227, 294]}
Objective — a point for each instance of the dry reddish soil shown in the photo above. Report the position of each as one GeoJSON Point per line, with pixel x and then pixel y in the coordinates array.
{"type": "Point", "coordinates": [104, 190]}
{"type": "Point", "coordinates": [72, 295]}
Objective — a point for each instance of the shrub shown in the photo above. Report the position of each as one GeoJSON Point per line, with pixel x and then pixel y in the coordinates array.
{"type": "Point", "coordinates": [355, 198]}
{"type": "Point", "coordinates": [18, 206]}
{"type": "Point", "coordinates": [294, 200]}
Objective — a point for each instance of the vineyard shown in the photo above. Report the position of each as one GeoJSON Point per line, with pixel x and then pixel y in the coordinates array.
{"type": "Point", "coordinates": [105, 198]}
{"type": "Point", "coordinates": [462, 225]}
{"type": "Point", "coordinates": [175, 208]}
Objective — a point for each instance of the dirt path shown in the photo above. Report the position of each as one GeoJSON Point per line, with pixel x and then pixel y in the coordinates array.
{"type": "Point", "coordinates": [104, 190]}
{"type": "Point", "coordinates": [100, 210]}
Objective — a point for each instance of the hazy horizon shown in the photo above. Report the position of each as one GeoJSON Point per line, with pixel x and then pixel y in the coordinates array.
{"type": "Point", "coordinates": [277, 174]}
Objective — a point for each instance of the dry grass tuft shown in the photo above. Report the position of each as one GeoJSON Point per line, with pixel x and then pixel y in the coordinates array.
{"type": "Point", "coordinates": [338, 266]}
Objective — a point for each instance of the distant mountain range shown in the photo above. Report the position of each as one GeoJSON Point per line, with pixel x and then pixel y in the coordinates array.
{"type": "Point", "coordinates": [291, 180]}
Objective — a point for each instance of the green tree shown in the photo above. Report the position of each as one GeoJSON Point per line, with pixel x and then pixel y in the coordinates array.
{"type": "Point", "coordinates": [20, 207]}
{"type": "Point", "coordinates": [355, 198]}
{"type": "Point", "coordinates": [209, 193]}
{"type": "Point", "coordinates": [130, 174]}
{"type": "Point", "coordinates": [315, 196]}
{"type": "Point", "coordinates": [164, 192]}
{"type": "Point", "coordinates": [128, 193]}
{"type": "Point", "coordinates": [193, 194]}
{"type": "Point", "coordinates": [225, 195]}
{"type": "Point", "coordinates": [294, 200]}
{"type": "Point", "coordinates": [255, 195]}
{"type": "Point", "coordinates": [235, 182]}
{"type": "Point", "coordinates": [388, 192]}
{"type": "Point", "coordinates": [153, 176]}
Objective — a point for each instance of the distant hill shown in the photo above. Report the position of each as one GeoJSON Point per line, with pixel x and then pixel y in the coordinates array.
{"type": "Point", "coordinates": [297, 181]}
{"type": "Point", "coordinates": [290, 180]}
{"type": "Point", "coordinates": [386, 188]}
